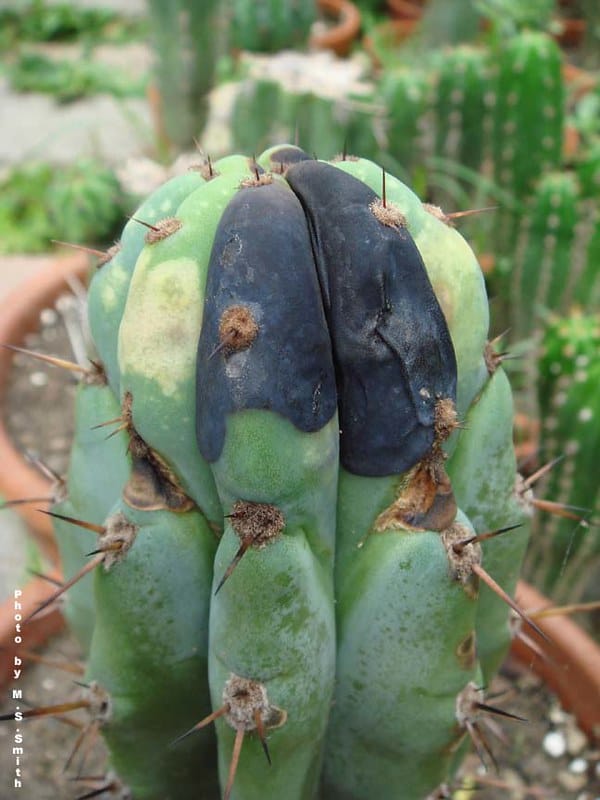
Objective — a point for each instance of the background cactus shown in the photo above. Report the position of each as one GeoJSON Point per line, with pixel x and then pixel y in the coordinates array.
{"type": "Point", "coordinates": [334, 583]}
{"type": "Point", "coordinates": [564, 555]}
{"type": "Point", "coordinates": [269, 25]}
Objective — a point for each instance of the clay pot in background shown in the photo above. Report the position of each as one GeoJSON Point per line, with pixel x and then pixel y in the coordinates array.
{"type": "Point", "coordinates": [20, 316]}
{"type": "Point", "coordinates": [341, 36]}
{"type": "Point", "coordinates": [571, 663]}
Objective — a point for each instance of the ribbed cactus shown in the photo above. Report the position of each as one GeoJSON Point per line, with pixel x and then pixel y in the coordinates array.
{"type": "Point", "coordinates": [556, 257]}
{"type": "Point", "coordinates": [406, 96]}
{"type": "Point", "coordinates": [269, 25]}
{"type": "Point", "coordinates": [287, 524]}
{"type": "Point", "coordinates": [460, 108]}
{"type": "Point", "coordinates": [528, 110]}
{"type": "Point", "coordinates": [265, 110]}
{"type": "Point", "coordinates": [564, 558]}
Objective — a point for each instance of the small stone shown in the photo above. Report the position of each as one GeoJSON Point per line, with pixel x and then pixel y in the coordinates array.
{"type": "Point", "coordinates": [38, 379]}
{"type": "Point", "coordinates": [48, 316]}
{"type": "Point", "coordinates": [555, 744]}
{"type": "Point", "coordinates": [557, 715]}
{"type": "Point", "coordinates": [571, 782]}
{"type": "Point", "coordinates": [576, 740]}
{"type": "Point", "coordinates": [578, 766]}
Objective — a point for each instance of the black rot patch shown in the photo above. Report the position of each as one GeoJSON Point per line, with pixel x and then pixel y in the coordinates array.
{"type": "Point", "coordinates": [264, 342]}
{"type": "Point", "coordinates": [393, 353]}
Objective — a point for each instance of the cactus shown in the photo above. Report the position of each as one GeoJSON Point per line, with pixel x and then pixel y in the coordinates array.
{"type": "Point", "coordinates": [528, 111]}
{"type": "Point", "coordinates": [563, 558]}
{"type": "Point", "coordinates": [269, 25]}
{"type": "Point", "coordinates": [406, 96]}
{"type": "Point", "coordinates": [265, 109]}
{"type": "Point", "coordinates": [292, 527]}
{"type": "Point", "coordinates": [187, 39]}
{"type": "Point", "coordinates": [460, 108]}
{"type": "Point", "coordinates": [556, 254]}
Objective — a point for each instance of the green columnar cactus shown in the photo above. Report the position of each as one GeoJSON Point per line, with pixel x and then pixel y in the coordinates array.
{"type": "Point", "coordinates": [459, 102]}
{"type": "Point", "coordinates": [266, 109]}
{"type": "Point", "coordinates": [528, 111]}
{"type": "Point", "coordinates": [406, 95]}
{"type": "Point", "coordinates": [556, 255]}
{"type": "Point", "coordinates": [270, 25]}
{"type": "Point", "coordinates": [187, 38]}
{"type": "Point", "coordinates": [288, 545]}
{"type": "Point", "coordinates": [564, 556]}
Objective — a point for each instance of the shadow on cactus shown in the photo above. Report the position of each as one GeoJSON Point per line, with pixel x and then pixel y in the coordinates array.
{"type": "Point", "coordinates": [294, 469]}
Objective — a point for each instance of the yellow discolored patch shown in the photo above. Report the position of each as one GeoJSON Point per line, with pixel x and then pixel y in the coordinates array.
{"type": "Point", "coordinates": [161, 323]}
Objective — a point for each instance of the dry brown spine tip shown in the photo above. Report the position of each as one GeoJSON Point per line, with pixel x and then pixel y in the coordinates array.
{"type": "Point", "coordinates": [162, 230]}
{"type": "Point", "coordinates": [446, 419]}
{"type": "Point", "coordinates": [108, 255]}
{"type": "Point", "coordinates": [344, 157]}
{"type": "Point", "coordinates": [244, 699]}
{"type": "Point", "coordinates": [206, 169]}
{"type": "Point", "coordinates": [100, 707]}
{"type": "Point", "coordinates": [258, 523]}
{"type": "Point", "coordinates": [524, 495]}
{"type": "Point", "coordinates": [437, 212]}
{"type": "Point", "coordinates": [462, 554]}
{"type": "Point", "coordinates": [467, 703]}
{"type": "Point", "coordinates": [264, 179]}
{"type": "Point", "coordinates": [237, 328]}
{"type": "Point", "coordinates": [117, 539]}
{"type": "Point", "coordinates": [388, 214]}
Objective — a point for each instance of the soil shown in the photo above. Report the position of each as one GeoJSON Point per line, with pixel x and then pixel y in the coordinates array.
{"type": "Point", "coordinates": [546, 757]}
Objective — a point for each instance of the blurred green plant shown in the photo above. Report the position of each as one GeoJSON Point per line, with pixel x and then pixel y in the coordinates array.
{"type": "Point", "coordinates": [82, 202]}
{"type": "Point", "coordinates": [40, 21]}
{"type": "Point", "coordinates": [70, 80]}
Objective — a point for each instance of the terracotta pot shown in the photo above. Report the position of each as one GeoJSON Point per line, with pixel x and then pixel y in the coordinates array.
{"type": "Point", "coordinates": [341, 36]}
{"type": "Point", "coordinates": [571, 663]}
{"type": "Point", "coordinates": [20, 316]}
{"type": "Point", "coordinates": [406, 9]}
{"type": "Point", "coordinates": [572, 31]}
{"type": "Point", "coordinates": [37, 631]}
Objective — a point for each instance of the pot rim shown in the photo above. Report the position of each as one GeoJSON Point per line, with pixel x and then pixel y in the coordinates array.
{"type": "Point", "coordinates": [570, 664]}
{"type": "Point", "coordinates": [21, 310]}
{"type": "Point", "coordinates": [340, 36]}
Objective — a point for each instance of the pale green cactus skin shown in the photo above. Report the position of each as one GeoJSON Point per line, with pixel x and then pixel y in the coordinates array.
{"type": "Point", "coordinates": [98, 470]}
{"type": "Point", "coordinates": [151, 658]}
{"type": "Point", "coordinates": [484, 477]}
{"type": "Point", "coordinates": [369, 638]}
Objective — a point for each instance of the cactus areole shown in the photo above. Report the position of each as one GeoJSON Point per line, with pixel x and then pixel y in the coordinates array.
{"type": "Point", "coordinates": [295, 612]}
